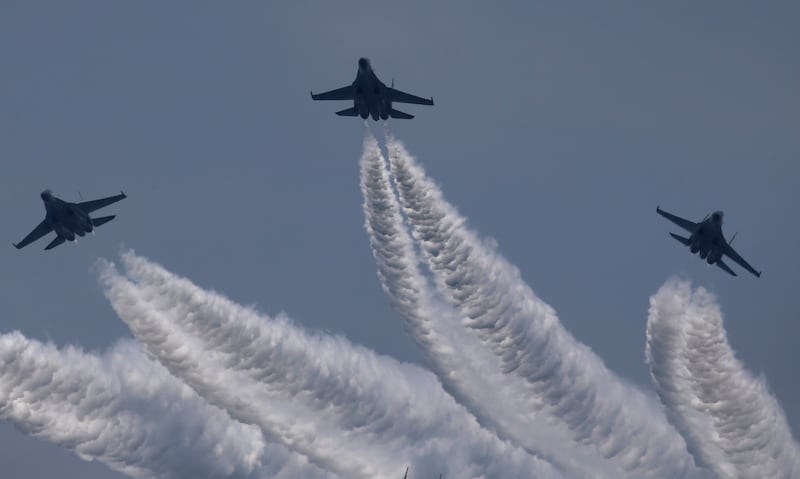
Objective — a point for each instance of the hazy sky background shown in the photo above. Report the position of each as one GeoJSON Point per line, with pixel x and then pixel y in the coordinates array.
{"type": "Point", "coordinates": [557, 130]}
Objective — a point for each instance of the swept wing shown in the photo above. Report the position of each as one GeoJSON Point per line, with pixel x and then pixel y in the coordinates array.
{"type": "Point", "coordinates": [41, 229]}
{"type": "Point", "coordinates": [689, 226]}
{"type": "Point", "coordinates": [732, 254]}
{"type": "Point", "coordinates": [89, 206]}
{"type": "Point", "coordinates": [343, 93]}
{"type": "Point", "coordinates": [397, 96]}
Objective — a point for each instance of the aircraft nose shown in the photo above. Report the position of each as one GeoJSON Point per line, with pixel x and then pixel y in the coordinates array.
{"type": "Point", "coordinates": [363, 63]}
{"type": "Point", "coordinates": [45, 195]}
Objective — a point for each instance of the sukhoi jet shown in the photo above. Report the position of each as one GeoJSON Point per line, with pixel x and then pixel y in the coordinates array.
{"type": "Point", "coordinates": [706, 238]}
{"type": "Point", "coordinates": [371, 97]}
{"type": "Point", "coordinates": [67, 219]}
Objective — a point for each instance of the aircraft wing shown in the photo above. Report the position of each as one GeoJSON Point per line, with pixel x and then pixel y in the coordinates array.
{"type": "Point", "coordinates": [41, 229]}
{"type": "Point", "coordinates": [397, 96]}
{"type": "Point", "coordinates": [343, 93]}
{"type": "Point", "coordinates": [89, 206]}
{"type": "Point", "coordinates": [689, 226]}
{"type": "Point", "coordinates": [732, 254]}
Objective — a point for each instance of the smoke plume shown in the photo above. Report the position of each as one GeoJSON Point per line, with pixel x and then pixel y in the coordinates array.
{"type": "Point", "coordinates": [468, 371]}
{"type": "Point", "coordinates": [562, 377]}
{"type": "Point", "coordinates": [215, 389]}
{"type": "Point", "coordinates": [347, 409]}
{"type": "Point", "coordinates": [731, 422]}
{"type": "Point", "coordinates": [126, 411]}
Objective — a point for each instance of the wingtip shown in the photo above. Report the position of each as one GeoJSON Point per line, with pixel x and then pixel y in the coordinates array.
{"type": "Point", "coordinates": [123, 194]}
{"type": "Point", "coordinates": [15, 245]}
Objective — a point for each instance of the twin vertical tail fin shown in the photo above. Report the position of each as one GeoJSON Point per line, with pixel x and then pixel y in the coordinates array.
{"type": "Point", "coordinates": [685, 241]}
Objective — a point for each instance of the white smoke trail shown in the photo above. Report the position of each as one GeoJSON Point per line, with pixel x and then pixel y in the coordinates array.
{"type": "Point", "coordinates": [346, 408]}
{"type": "Point", "coordinates": [731, 422]}
{"type": "Point", "coordinates": [562, 377]}
{"type": "Point", "coordinates": [128, 412]}
{"type": "Point", "coordinates": [469, 372]}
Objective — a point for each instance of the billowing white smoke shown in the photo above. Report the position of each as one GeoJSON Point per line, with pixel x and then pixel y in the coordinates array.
{"type": "Point", "coordinates": [561, 377]}
{"type": "Point", "coordinates": [128, 412]}
{"type": "Point", "coordinates": [347, 409]}
{"type": "Point", "coordinates": [469, 372]}
{"type": "Point", "coordinates": [298, 404]}
{"type": "Point", "coordinates": [731, 422]}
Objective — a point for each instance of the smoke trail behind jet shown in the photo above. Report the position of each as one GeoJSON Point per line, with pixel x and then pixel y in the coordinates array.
{"type": "Point", "coordinates": [731, 422]}
{"type": "Point", "coordinates": [469, 372]}
{"type": "Point", "coordinates": [346, 408]}
{"type": "Point", "coordinates": [562, 377]}
{"type": "Point", "coordinates": [128, 412]}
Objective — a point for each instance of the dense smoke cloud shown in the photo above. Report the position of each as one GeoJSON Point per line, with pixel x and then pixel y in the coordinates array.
{"type": "Point", "coordinates": [468, 371]}
{"type": "Point", "coordinates": [128, 412]}
{"type": "Point", "coordinates": [229, 392]}
{"type": "Point", "coordinates": [732, 423]}
{"type": "Point", "coordinates": [562, 377]}
{"type": "Point", "coordinates": [346, 408]}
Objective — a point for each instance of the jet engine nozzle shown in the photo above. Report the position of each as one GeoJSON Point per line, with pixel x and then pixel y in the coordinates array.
{"type": "Point", "coordinates": [64, 232]}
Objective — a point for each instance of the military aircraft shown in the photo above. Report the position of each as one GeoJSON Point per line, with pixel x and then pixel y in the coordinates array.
{"type": "Point", "coordinates": [371, 97]}
{"type": "Point", "coordinates": [68, 219]}
{"type": "Point", "coordinates": [707, 239]}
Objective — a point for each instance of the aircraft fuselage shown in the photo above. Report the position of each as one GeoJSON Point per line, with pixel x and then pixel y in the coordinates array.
{"type": "Point", "coordinates": [370, 96]}
{"type": "Point", "coordinates": [707, 240]}
{"type": "Point", "coordinates": [67, 219]}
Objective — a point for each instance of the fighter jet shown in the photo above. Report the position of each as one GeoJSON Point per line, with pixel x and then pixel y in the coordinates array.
{"type": "Point", "coordinates": [371, 97]}
{"type": "Point", "coordinates": [707, 239]}
{"type": "Point", "coordinates": [68, 219]}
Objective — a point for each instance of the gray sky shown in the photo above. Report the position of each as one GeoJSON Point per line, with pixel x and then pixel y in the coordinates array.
{"type": "Point", "coordinates": [557, 130]}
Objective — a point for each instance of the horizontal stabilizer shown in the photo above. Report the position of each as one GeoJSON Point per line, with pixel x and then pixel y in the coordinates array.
{"type": "Point", "coordinates": [102, 220]}
{"type": "Point", "coordinates": [724, 267]}
{"type": "Point", "coordinates": [399, 114]}
{"type": "Point", "coordinates": [55, 242]}
{"type": "Point", "coordinates": [348, 112]}
{"type": "Point", "coordinates": [680, 238]}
